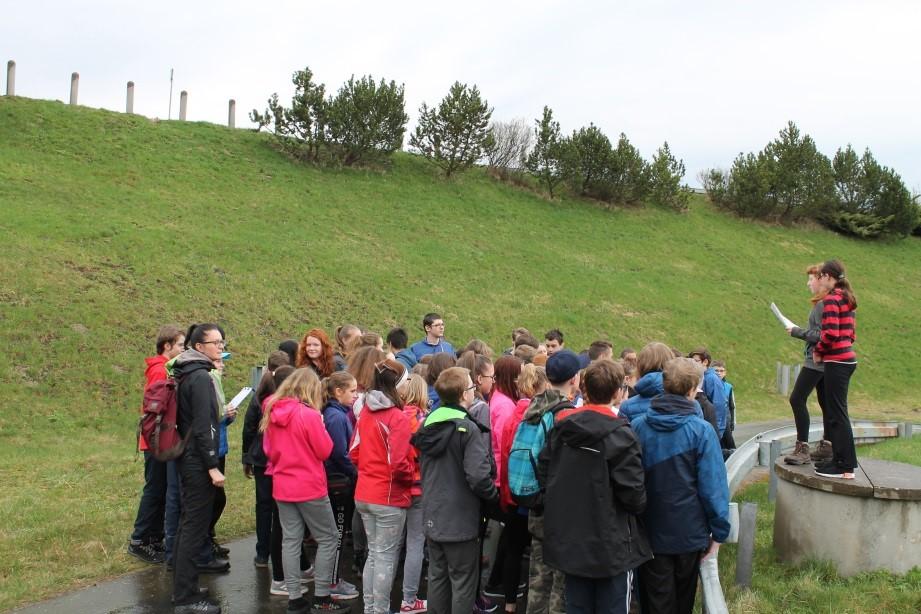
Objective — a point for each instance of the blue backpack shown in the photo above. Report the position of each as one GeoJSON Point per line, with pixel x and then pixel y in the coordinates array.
{"type": "Point", "coordinates": [530, 438]}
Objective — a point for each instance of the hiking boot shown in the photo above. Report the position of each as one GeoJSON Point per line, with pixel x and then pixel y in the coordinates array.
{"type": "Point", "coordinates": [831, 470]}
{"type": "Point", "coordinates": [800, 455]}
{"type": "Point", "coordinates": [343, 590]}
{"type": "Point", "coordinates": [200, 607]}
{"type": "Point", "coordinates": [146, 552]}
{"type": "Point", "coordinates": [822, 452]}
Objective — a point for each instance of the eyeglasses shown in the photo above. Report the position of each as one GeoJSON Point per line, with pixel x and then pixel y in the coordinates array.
{"type": "Point", "coordinates": [219, 343]}
{"type": "Point", "coordinates": [469, 388]}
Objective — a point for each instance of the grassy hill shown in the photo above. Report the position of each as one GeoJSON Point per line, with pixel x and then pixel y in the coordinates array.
{"type": "Point", "coordinates": [115, 224]}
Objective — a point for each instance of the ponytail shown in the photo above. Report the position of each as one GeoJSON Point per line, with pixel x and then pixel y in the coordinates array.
{"type": "Point", "coordinates": [835, 270]}
{"type": "Point", "coordinates": [338, 380]}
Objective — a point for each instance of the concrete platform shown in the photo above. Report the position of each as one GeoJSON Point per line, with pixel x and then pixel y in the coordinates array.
{"type": "Point", "coordinates": [872, 522]}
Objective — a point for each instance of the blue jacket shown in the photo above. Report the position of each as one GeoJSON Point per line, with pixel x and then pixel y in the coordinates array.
{"type": "Point", "coordinates": [407, 359]}
{"type": "Point", "coordinates": [687, 492]}
{"type": "Point", "coordinates": [424, 348]}
{"type": "Point", "coordinates": [336, 419]}
{"type": "Point", "coordinates": [434, 399]}
{"type": "Point", "coordinates": [647, 387]}
{"type": "Point", "coordinates": [716, 394]}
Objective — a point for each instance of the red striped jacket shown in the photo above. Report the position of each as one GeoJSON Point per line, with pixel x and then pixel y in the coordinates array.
{"type": "Point", "coordinates": [839, 329]}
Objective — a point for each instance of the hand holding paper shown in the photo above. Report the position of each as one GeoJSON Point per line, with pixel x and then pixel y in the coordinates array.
{"type": "Point", "coordinates": [786, 322]}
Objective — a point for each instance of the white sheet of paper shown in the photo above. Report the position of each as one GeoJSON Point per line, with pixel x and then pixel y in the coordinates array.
{"type": "Point", "coordinates": [235, 402]}
{"type": "Point", "coordinates": [781, 317]}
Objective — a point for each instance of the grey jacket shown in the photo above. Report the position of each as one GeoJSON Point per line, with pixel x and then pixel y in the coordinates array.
{"type": "Point", "coordinates": [456, 479]}
{"type": "Point", "coordinates": [811, 336]}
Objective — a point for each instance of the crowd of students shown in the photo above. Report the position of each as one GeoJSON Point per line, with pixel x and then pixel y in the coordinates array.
{"type": "Point", "coordinates": [418, 449]}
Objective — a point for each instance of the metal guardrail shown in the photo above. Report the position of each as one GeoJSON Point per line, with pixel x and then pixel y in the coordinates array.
{"type": "Point", "coordinates": [762, 450]}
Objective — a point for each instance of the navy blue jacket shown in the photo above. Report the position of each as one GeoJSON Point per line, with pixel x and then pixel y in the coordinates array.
{"type": "Point", "coordinates": [336, 419]}
{"type": "Point", "coordinates": [713, 388]}
{"type": "Point", "coordinates": [687, 492]}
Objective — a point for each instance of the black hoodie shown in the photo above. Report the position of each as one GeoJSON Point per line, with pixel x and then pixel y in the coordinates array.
{"type": "Point", "coordinates": [199, 410]}
{"type": "Point", "coordinates": [593, 470]}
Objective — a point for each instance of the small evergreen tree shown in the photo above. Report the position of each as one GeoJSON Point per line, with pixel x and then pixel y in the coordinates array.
{"type": "Point", "coordinates": [454, 135]}
{"type": "Point", "coordinates": [545, 160]}
{"type": "Point", "coordinates": [626, 175]}
{"type": "Point", "coordinates": [665, 174]}
{"type": "Point", "coordinates": [585, 158]}
{"type": "Point", "coordinates": [303, 126]}
{"type": "Point", "coordinates": [366, 119]}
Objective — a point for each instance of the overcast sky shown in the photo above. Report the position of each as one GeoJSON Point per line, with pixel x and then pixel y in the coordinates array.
{"type": "Point", "coordinates": [711, 78]}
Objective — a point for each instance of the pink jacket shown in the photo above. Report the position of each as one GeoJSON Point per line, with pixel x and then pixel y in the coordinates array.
{"type": "Point", "coordinates": [296, 444]}
{"type": "Point", "coordinates": [501, 410]}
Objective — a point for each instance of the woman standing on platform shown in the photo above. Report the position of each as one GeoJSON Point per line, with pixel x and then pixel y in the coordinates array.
{"type": "Point", "coordinates": [809, 379]}
{"type": "Point", "coordinates": [835, 349]}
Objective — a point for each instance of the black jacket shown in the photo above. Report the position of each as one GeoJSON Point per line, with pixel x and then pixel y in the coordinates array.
{"type": "Point", "coordinates": [456, 478]}
{"type": "Point", "coordinates": [595, 487]}
{"type": "Point", "coordinates": [253, 454]}
{"type": "Point", "coordinates": [199, 410]}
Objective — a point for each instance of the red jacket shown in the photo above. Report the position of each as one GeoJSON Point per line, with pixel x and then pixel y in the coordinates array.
{"type": "Point", "coordinates": [381, 452]}
{"type": "Point", "coordinates": [296, 444]}
{"type": "Point", "coordinates": [156, 371]}
{"type": "Point", "coordinates": [416, 417]}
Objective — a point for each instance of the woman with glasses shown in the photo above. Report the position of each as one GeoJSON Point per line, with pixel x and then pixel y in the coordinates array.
{"type": "Point", "coordinates": [380, 451]}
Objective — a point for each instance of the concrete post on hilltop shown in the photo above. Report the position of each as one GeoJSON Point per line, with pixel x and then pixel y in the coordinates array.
{"type": "Point", "coordinates": [129, 103]}
{"type": "Point", "coordinates": [11, 78]}
{"type": "Point", "coordinates": [232, 113]}
{"type": "Point", "coordinates": [74, 87]}
{"type": "Point", "coordinates": [183, 104]}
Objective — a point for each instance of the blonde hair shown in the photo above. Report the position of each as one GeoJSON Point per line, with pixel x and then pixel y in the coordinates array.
{"type": "Point", "coordinates": [532, 381]}
{"type": "Point", "coordinates": [414, 391]}
{"type": "Point", "coordinates": [303, 385]}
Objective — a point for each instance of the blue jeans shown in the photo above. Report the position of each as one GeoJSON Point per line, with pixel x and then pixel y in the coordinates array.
{"type": "Point", "coordinates": [598, 595]}
{"type": "Point", "coordinates": [384, 526]}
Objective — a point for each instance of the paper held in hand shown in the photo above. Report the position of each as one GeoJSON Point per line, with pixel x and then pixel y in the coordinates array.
{"type": "Point", "coordinates": [235, 402]}
{"type": "Point", "coordinates": [781, 317]}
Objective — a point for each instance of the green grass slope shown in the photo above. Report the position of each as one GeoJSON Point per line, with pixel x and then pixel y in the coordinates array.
{"type": "Point", "coordinates": [115, 224]}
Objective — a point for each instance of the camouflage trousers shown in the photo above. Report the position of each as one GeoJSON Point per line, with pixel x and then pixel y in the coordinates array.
{"type": "Point", "coordinates": [545, 584]}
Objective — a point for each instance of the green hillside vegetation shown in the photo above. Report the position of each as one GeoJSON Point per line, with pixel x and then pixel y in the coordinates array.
{"type": "Point", "coordinates": [115, 224]}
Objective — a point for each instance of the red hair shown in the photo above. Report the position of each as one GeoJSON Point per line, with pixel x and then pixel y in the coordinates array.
{"type": "Point", "coordinates": [325, 364]}
{"type": "Point", "coordinates": [508, 368]}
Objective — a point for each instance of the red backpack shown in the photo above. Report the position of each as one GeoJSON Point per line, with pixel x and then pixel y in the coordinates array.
{"type": "Point", "coordinates": [158, 420]}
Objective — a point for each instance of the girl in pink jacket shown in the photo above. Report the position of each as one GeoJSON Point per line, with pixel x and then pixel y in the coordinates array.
{"type": "Point", "coordinates": [296, 444]}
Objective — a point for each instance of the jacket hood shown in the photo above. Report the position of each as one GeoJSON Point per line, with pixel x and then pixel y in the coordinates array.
{"type": "Point", "coordinates": [587, 428]}
{"type": "Point", "coordinates": [667, 412]}
{"type": "Point", "coordinates": [284, 410]}
{"type": "Point", "coordinates": [187, 362]}
{"type": "Point", "coordinates": [375, 400]}
{"type": "Point", "coordinates": [650, 384]}
{"type": "Point", "coordinates": [543, 402]}
{"type": "Point", "coordinates": [436, 431]}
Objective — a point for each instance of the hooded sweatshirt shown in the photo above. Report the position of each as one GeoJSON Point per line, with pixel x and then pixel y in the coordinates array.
{"type": "Point", "coordinates": [593, 471]}
{"type": "Point", "coordinates": [339, 427]}
{"type": "Point", "coordinates": [456, 475]}
{"type": "Point", "coordinates": [296, 443]}
{"type": "Point", "coordinates": [647, 387]}
{"type": "Point", "coordinates": [686, 486]}
{"type": "Point", "coordinates": [380, 451]}
{"type": "Point", "coordinates": [198, 417]}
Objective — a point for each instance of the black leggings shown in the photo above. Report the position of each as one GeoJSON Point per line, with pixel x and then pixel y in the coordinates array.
{"type": "Point", "coordinates": [839, 431]}
{"type": "Point", "coordinates": [512, 543]}
{"type": "Point", "coordinates": [807, 381]}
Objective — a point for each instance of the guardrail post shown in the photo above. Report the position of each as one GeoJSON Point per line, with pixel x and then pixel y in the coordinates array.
{"type": "Point", "coordinates": [779, 375]}
{"type": "Point", "coordinates": [232, 113]}
{"type": "Point", "coordinates": [183, 104]}
{"type": "Point", "coordinates": [255, 374]}
{"type": "Point", "coordinates": [11, 78]}
{"type": "Point", "coordinates": [129, 102]}
{"type": "Point", "coordinates": [905, 430]}
{"type": "Point", "coordinates": [74, 87]}
{"type": "Point", "coordinates": [745, 557]}
{"type": "Point", "coordinates": [775, 454]}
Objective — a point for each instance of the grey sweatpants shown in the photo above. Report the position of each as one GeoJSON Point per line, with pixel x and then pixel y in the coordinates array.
{"type": "Point", "coordinates": [317, 515]}
{"type": "Point", "coordinates": [453, 571]}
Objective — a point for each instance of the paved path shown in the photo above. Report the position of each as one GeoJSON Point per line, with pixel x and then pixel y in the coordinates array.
{"type": "Point", "coordinates": [244, 590]}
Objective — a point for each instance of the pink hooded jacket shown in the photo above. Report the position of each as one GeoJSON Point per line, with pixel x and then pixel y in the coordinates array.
{"type": "Point", "coordinates": [296, 444]}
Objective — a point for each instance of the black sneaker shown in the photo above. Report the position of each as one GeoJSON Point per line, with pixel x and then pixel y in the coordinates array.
{"type": "Point", "coordinates": [220, 551]}
{"type": "Point", "coordinates": [299, 605]}
{"type": "Point", "coordinates": [146, 553]}
{"type": "Point", "coordinates": [199, 607]}
{"type": "Point", "coordinates": [213, 566]}
{"type": "Point", "coordinates": [261, 561]}
{"type": "Point", "coordinates": [831, 470]}
{"type": "Point", "coordinates": [326, 604]}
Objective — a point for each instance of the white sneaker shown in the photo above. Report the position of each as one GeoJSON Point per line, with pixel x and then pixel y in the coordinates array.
{"type": "Point", "coordinates": [414, 607]}
{"type": "Point", "coordinates": [278, 588]}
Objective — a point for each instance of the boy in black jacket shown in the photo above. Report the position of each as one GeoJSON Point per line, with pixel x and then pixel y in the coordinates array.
{"type": "Point", "coordinates": [595, 487]}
